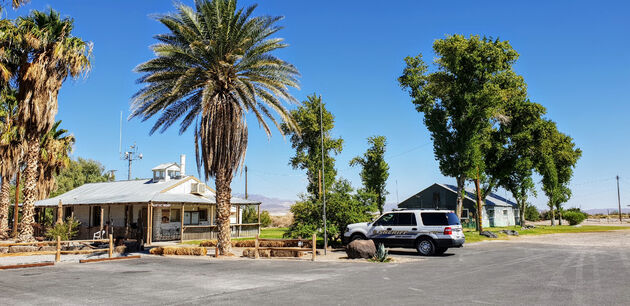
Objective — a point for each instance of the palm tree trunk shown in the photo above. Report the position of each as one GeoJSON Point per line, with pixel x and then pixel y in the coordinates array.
{"type": "Point", "coordinates": [224, 193]}
{"type": "Point", "coordinates": [5, 201]}
{"type": "Point", "coordinates": [30, 190]}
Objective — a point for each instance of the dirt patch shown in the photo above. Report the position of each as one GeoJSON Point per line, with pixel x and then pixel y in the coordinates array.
{"type": "Point", "coordinates": [612, 239]}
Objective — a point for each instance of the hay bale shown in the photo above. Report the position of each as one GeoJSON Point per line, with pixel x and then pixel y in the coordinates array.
{"type": "Point", "coordinates": [22, 249]}
{"type": "Point", "coordinates": [208, 243]}
{"type": "Point", "coordinates": [273, 244]}
{"type": "Point", "coordinates": [121, 249]}
{"type": "Point", "coordinates": [251, 253]}
{"type": "Point", "coordinates": [285, 253]}
{"type": "Point", "coordinates": [47, 248]}
{"type": "Point", "coordinates": [4, 250]}
{"type": "Point", "coordinates": [190, 251]}
{"type": "Point", "coordinates": [244, 243]}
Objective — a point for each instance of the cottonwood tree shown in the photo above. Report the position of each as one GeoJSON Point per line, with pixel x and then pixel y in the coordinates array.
{"type": "Point", "coordinates": [215, 64]}
{"type": "Point", "coordinates": [556, 157]}
{"type": "Point", "coordinates": [515, 156]}
{"type": "Point", "coordinates": [308, 143]}
{"type": "Point", "coordinates": [460, 99]}
{"type": "Point", "coordinates": [374, 169]}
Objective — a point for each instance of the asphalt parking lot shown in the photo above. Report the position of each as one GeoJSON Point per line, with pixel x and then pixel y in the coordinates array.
{"type": "Point", "coordinates": [497, 273]}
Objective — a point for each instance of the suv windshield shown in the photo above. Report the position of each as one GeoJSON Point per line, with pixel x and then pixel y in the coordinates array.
{"type": "Point", "coordinates": [439, 218]}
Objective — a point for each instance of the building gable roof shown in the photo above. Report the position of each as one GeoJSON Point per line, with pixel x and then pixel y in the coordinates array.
{"type": "Point", "coordinates": [136, 191]}
{"type": "Point", "coordinates": [491, 200]}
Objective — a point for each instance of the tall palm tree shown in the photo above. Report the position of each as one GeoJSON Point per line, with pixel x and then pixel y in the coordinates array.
{"type": "Point", "coordinates": [213, 66]}
{"type": "Point", "coordinates": [56, 146]}
{"type": "Point", "coordinates": [10, 152]}
{"type": "Point", "coordinates": [48, 55]}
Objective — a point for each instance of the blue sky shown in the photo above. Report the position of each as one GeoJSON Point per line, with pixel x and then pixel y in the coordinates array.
{"type": "Point", "coordinates": [573, 55]}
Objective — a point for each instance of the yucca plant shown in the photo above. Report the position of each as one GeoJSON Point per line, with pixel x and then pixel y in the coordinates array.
{"type": "Point", "coordinates": [213, 66]}
{"type": "Point", "coordinates": [66, 230]}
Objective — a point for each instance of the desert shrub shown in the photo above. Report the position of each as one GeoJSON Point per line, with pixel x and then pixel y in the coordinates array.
{"type": "Point", "coordinates": [66, 230]}
{"type": "Point", "coordinates": [574, 217]}
{"type": "Point", "coordinates": [195, 251]}
{"type": "Point", "coordinates": [281, 221]}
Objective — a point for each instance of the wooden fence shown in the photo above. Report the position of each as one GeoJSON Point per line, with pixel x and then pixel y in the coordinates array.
{"type": "Point", "coordinates": [58, 250]}
{"type": "Point", "coordinates": [312, 249]}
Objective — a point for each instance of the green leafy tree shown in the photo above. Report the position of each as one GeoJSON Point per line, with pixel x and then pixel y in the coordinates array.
{"type": "Point", "coordinates": [374, 169]}
{"type": "Point", "coordinates": [556, 157]}
{"type": "Point", "coordinates": [461, 98]}
{"type": "Point", "coordinates": [308, 143]}
{"type": "Point", "coordinates": [531, 213]}
{"type": "Point", "coordinates": [215, 64]}
{"type": "Point", "coordinates": [79, 172]}
{"type": "Point", "coordinates": [342, 208]}
{"type": "Point", "coordinates": [510, 160]}
{"type": "Point", "coordinates": [265, 219]}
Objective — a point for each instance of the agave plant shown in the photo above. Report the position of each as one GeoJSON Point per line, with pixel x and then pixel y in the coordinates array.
{"type": "Point", "coordinates": [381, 254]}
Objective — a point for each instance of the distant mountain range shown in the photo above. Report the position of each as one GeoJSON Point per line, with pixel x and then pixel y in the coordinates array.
{"type": "Point", "coordinates": [274, 206]}
{"type": "Point", "coordinates": [605, 211]}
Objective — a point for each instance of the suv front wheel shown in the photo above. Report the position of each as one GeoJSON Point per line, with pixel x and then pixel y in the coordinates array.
{"type": "Point", "coordinates": [425, 247]}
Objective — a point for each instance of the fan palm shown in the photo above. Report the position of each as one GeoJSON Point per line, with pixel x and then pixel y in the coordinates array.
{"type": "Point", "coordinates": [10, 152]}
{"type": "Point", "coordinates": [56, 146]}
{"type": "Point", "coordinates": [213, 66]}
{"type": "Point", "coordinates": [48, 55]}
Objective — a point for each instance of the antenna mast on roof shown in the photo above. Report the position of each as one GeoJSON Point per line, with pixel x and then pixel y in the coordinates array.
{"type": "Point", "coordinates": [130, 156]}
{"type": "Point", "coordinates": [120, 139]}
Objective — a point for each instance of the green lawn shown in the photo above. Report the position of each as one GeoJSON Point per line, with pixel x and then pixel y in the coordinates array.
{"type": "Point", "coordinates": [473, 236]}
{"type": "Point", "coordinates": [269, 233]}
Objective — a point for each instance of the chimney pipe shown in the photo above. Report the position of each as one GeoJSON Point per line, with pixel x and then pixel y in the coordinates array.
{"type": "Point", "coordinates": [182, 165]}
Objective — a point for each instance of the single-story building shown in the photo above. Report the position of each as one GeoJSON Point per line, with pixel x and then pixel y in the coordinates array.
{"type": "Point", "coordinates": [169, 206]}
{"type": "Point", "coordinates": [497, 211]}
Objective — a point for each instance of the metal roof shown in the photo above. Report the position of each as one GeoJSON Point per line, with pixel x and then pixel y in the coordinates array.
{"type": "Point", "coordinates": [137, 191]}
{"type": "Point", "coordinates": [491, 200]}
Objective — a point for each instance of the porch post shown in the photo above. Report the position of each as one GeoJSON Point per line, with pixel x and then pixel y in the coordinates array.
{"type": "Point", "coordinates": [59, 213]}
{"type": "Point", "coordinates": [150, 224]}
{"type": "Point", "coordinates": [238, 220]}
{"type": "Point", "coordinates": [181, 226]}
{"type": "Point", "coordinates": [101, 224]}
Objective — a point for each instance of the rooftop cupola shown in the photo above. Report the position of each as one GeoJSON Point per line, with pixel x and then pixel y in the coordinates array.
{"type": "Point", "coordinates": [169, 171]}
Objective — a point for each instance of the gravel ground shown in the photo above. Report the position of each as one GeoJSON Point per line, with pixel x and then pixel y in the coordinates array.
{"type": "Point", "coordinates": [616, 239]}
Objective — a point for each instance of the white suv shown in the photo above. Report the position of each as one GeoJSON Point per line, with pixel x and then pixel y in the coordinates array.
{"type": "Point", "coordinates": [428, 231]}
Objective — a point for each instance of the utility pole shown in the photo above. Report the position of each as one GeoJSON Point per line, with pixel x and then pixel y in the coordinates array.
{"type": "Point", "coordinates": [245, 182]}
{"type": "Point", "coordinates": [130, 156]}
{"type": "Point", "coordinates": [321, 130]}
{"type": "Point", "coordinates": [619, 200]}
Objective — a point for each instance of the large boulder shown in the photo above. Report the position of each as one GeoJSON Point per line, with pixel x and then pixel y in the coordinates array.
{"type": "Point", "coordinates": [488, 234]}
{"type": "Point", "coordinates": [361, 249]}
{"type": "Point", "coordinates": [510, 232]}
